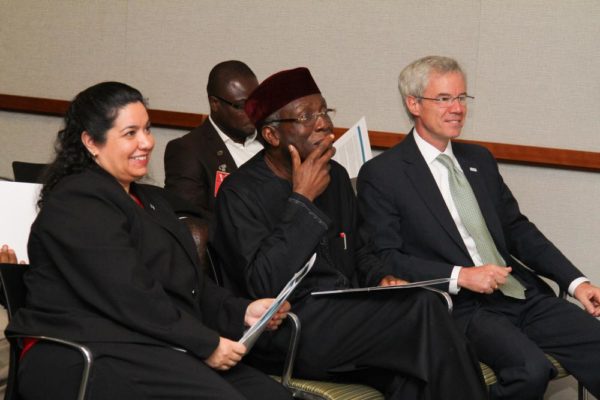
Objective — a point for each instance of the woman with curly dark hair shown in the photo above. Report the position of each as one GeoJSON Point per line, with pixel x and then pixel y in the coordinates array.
{"type": "Point", "coordinates": [113, 268]}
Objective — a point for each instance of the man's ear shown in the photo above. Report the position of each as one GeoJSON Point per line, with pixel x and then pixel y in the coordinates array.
{"type": "Point", "coordinates": [413, 105]}
{"type": "Point", "coordinates": [271, 135]}
{"type": "Point", "coordinates": [213, 103]}
{"type": "Point", "coordinates": [89, 143]}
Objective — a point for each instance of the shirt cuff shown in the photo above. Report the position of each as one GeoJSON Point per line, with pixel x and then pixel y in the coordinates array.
{"type": "Point", "coordinates": [453, 286]}
{"type": "Point", "coordinates": [576, 283]}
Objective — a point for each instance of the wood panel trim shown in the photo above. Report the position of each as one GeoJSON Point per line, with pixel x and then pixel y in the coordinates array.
{"type": "Point", "coordinates": [519, 154]}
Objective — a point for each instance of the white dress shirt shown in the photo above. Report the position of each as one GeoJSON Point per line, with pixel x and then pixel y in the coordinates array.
{"type": "Point", "coordinates": [240, 152]}
{"type": "Point", "coordinates": [440, 175]}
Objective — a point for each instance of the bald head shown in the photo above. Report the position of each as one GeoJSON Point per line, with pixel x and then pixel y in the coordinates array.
{"type": "Point", "coordinates": [225, 72]}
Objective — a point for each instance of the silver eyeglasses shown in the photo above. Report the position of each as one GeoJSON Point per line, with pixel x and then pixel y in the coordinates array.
{"type": "Point", "coordinates": [306, 119]}
{"type": "Point", "coordinates": [446, 101]}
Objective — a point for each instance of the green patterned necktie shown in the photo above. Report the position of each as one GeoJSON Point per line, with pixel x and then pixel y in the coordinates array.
{"type": "Point", "coordinates": [472, 219]}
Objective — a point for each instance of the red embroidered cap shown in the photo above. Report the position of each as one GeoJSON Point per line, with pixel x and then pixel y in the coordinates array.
{"type": "Point", "coordinates": [278, 90]}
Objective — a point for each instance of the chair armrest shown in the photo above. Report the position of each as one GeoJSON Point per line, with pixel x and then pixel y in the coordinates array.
{"type": "Point", "coordinates": [290, 357]}
{"type": "Point", "coordinates": [445, 295]}
{"type": "Point", "coordinates": [86, 354]}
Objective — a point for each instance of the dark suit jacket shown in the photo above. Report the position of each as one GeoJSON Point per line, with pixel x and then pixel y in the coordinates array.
{"type": "Point", "coordinates": [104, 269]}
{"type": "Point", "coordinates": [191, 164]}
{"type": "Point", "coordinates": [404, 212]}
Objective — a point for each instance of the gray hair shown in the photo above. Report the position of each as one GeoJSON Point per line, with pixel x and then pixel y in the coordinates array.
{"type": "Point", "coordinates": [414, 78]}
{"type": "Point", "coordinates": [266, 122]}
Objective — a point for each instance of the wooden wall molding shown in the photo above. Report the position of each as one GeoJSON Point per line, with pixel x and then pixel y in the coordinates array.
{"type": "Point", "coordinates": [511, 153]}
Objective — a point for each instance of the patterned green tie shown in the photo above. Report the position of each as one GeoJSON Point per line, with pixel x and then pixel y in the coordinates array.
{"type": "Point", "coordinates": [472, 219]}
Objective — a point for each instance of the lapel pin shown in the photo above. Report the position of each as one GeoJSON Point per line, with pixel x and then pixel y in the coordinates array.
{"type": "Point", "coordinates": [152, 206]}
{"type": "Point", "coordinates": [473, 169]}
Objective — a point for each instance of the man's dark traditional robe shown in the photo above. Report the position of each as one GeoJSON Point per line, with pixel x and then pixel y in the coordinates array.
{"type": "Point", "coordinates": [401, 341]}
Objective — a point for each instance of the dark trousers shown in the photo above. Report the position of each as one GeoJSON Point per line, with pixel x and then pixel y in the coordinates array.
{"type": "Point", "coordinates": [511, 336]}
{"type": "Point", "coordinates": [404, 342]}
{"type": "Point", "coordinates": [135, 372]}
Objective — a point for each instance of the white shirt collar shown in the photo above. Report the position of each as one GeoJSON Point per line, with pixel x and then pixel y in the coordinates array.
{"type": "Point", "coordinates": [430, 152]}
{"type": "Point", "coordinates": [226, 139]}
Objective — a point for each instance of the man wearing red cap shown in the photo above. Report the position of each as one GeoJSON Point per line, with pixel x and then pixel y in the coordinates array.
{"type": "Point", "coordinates": [292, 200]}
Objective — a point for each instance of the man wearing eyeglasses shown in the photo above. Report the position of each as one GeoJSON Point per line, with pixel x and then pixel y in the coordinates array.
{"type": "Point", "coordinates": [437, 208]}
{"type": "Point", "coordinates": [290, 201]}
{"type": "Point", "coordinates": [197, 163]}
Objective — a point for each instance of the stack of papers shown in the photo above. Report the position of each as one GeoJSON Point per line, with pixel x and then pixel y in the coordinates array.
{"type": "Point", "coordinates": [18, 209]}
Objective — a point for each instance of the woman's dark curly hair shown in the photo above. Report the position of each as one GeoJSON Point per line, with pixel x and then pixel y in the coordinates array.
{"type": "Point", "coordinates": [94, 111]}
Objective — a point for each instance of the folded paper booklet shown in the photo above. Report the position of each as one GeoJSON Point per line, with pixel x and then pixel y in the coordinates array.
{"type": "Point", "coordinates": [424, 284]}
{"type": "Point", "coordinates": [252, 334]}
{"type": "Point", "coordinates": [353, 148]}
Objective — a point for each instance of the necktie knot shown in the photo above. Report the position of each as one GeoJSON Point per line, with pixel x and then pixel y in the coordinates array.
{"type": "Point", "coordinates": [447, 162]}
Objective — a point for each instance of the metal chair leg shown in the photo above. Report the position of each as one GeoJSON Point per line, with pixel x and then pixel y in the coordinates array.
{"type": "Point", "coordinates": [582, 393]}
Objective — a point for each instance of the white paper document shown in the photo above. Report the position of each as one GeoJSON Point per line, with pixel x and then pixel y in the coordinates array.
{"type": "Point", "coordinates": [252, 334]}
{"type": "Point", "coordinates": [353, 148]}
{"type": "Point", "coordinates": [423, 284]}
{"type": "Point", "coordinates": [18, 210]}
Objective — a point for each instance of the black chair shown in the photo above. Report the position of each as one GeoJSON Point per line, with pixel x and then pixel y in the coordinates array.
{"type": "Point", "coordinates": [199, 228]}
{"type": "Point", "coordinates": [13, 287]}
{"type": "Point", "coordinates": [28, 172]}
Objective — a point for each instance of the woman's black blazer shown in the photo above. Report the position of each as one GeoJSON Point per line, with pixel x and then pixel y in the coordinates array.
{"type": "Point", "coordinates": [104, 269]}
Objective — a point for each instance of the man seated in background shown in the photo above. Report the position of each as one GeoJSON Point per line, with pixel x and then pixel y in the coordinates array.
{"type": "Point", "coordinates": [292, 200]}
{"type": "Point", "coordinates": [440, 209]}
{"type": "Point", "coordinates": [197, 163]}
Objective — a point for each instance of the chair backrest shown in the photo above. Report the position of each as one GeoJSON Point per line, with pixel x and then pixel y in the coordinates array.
{"type": "Point", "coordinates": [13, 296]}
{"type": "Point", "coordinates": [199, 228]}
{"type": "Point", "coordinates": [208, 258]}
{"type": "Point", "coordinates": [28, 172]}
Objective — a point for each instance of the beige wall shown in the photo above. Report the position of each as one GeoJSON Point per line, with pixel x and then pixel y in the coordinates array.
{"type": "Point", "coordinates": [533, 66]}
